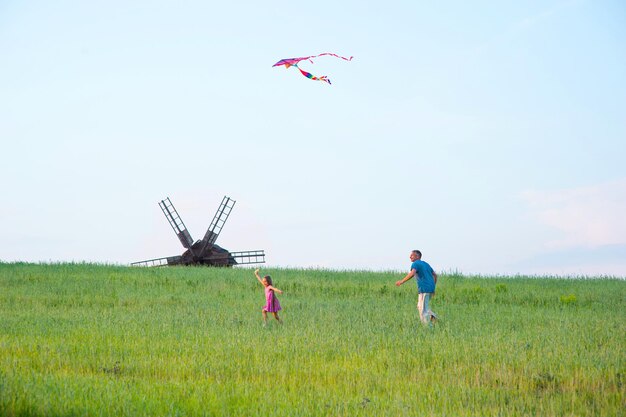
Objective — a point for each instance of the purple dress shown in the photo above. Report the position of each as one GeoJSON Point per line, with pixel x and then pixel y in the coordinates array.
{"type": "Point", "coordinates": [271, 302]}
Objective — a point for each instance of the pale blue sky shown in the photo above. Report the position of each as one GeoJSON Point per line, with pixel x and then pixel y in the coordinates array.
{"type": "Point", "coordinates": [490, 135]}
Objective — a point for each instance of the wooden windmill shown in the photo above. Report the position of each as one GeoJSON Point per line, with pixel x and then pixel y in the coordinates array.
{"type": "Point", "coordinates": [205, 251]}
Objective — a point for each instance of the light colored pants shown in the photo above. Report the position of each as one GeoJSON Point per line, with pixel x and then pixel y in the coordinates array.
{"type": "Point", "coordinates": [423, 306]}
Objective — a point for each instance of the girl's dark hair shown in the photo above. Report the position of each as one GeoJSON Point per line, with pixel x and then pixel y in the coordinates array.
{"type": "Point", "coordinates": [269, 279]}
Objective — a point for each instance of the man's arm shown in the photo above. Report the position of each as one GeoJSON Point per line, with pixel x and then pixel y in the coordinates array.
{"type": "Point", "coordinates": [405, 279]}
{"type": "Point", "coordinates": [435, 277]}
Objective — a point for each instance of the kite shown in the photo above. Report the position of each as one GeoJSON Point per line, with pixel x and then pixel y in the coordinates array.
{"type": "Point", "coordinates": [293, 62]}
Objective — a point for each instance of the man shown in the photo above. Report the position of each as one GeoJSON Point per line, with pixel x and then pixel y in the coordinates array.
{"type": "Point", "coordinates": [426, 282]}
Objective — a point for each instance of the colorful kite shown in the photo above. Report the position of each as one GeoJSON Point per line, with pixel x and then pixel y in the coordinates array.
{"type": "Point", "coordinates": [293, 62]}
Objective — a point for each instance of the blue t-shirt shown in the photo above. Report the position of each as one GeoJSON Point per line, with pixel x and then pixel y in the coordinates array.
{"type": "Point", "coordinates": [425, 279]}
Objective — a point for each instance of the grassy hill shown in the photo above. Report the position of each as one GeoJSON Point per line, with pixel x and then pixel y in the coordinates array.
{"type": "Point", "coordinates": [81, 339]}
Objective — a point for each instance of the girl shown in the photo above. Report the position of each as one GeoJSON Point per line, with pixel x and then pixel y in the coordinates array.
{"type": "Point", "coordinates": [271, 305]}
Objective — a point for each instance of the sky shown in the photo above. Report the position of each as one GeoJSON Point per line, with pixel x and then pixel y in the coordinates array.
{"type": "Point", "coordinates": [490, 135]}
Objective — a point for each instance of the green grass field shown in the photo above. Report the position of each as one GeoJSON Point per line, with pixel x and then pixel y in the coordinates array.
{"type": "Point", "coordinates": [81, 339]}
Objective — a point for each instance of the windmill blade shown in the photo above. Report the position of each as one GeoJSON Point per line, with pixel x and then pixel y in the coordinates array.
{"type": "Point", "coordinates": [176, 222]}
{"type": "Point", "coordinates": [249, 257]}
{"type": "Point", "coordinates": [237, 258]}
{"type": "Point", "coordinates": [217, 223]}
{"type": "Point", "coordinates": [169, 260]}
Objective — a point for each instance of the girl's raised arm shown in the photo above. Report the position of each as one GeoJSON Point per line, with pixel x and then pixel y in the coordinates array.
{"type": "Point", "coordinates": [256, 274]}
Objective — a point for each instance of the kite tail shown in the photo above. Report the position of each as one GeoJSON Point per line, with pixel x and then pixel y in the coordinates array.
{"type": "Point", "coordinates": [335, 55]}
{"type": "Point", "coordinates": [313, 77]}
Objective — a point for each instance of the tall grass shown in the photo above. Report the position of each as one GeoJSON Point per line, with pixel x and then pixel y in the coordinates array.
{"type": "Point", "coordinates": [81, 339]}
